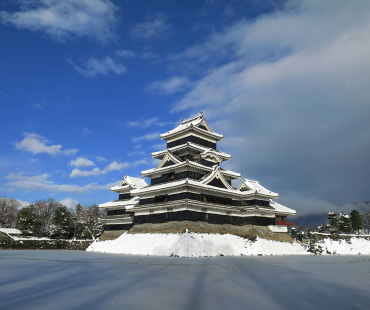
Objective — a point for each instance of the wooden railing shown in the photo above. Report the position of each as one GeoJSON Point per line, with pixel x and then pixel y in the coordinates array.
{"type": "Point", "coordinates": [284, 223]}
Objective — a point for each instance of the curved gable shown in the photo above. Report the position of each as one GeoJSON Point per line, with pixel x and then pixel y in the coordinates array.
{"type": "Point", "coordinates": [215, 178]}
{"type": "Point", "coordinates": [168, 160]}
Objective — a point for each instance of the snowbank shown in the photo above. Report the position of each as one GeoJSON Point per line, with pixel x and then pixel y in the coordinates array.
{"type": "Point", "coordinates": [194, 245]}
{"type": "Point", "coordinates": [353, 246]}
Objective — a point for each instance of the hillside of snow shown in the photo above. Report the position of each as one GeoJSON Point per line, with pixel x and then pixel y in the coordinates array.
{"type": "Point", "coordinates": [194, 245]}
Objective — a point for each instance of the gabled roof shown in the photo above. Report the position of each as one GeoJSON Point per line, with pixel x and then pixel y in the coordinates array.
{"type": "Point", "coordinates": [191, 145]}
{"type": "Point", "coordinates": [197, 123]}
{"type": "Point", "coordinates": [168, 157]}
{"type": "Point", "coordinates": [216, 174]}
{"type": "Point", "coordinates": [129, 183]}
{"type": "Point", "coordinates": [255, 186]}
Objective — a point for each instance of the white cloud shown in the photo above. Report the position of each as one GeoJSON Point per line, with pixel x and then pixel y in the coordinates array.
{"type": "Point", "coordinates": [81, 162]}
{"type": "Point", "coordinates": [170, 86]}
{"type": "Point", "coordinates": [292, 85]}
{"type": "Point", "coordinates": [111, 167]}
{"type": "Point", "coordinates": [147, 137]}
{"type": "Point", "coordinates": [69, 202]}
{"type": "Point", "coordinates": [62, 20]}
{"type": "Point", "coordinates": [95, 66]}
{"type": "Point", "coordinates": [36, 144]}
{"type": "Point", "coordinates": [126, 53]}
{"type": "Point", "coordinates": [156, 28]}
{"type": "Point", "coordinates": [42, 183]}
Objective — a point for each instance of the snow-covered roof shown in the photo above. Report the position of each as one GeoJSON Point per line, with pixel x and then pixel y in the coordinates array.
{"type": "Point", "coordinates": [189, 182]}
{"type": "Point", "coordinates": [255, 186]}
{"type": "Point", "coordinates": [129, 182]}
{"type": "Point", "coordinates": [128, 204]}
{"type": "Point", "coordinates": [191, 145]}
{"type": "Point", "coordinates": [179, 165]}
{"type": "Point", "coordinates": [230, 173]}
{"type": "Point", "coordinates": [279, 207]}
{"type": "Point", "coordinates": [136, 182]}
{"type": "Point", "coordinates": [11, 231]}
{"type": "Point", "coordinates": [192, 123]}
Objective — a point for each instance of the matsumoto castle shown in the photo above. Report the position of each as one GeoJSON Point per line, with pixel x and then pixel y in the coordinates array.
{"type": "Point", "coordinates": [190, 185]}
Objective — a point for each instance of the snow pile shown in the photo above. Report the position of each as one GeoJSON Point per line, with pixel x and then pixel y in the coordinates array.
{"type": "Point", "coordinates": [353, 246]}
{"type": "Point", "coordinates": [193, 245]}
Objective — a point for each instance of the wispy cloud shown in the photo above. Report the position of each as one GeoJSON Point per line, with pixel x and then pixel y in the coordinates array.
{"type": "Point", "coordinates": [111, 167]}
{"type": "Point", "coordinates": [86, 132]}
{"type": "Point", "coordinates": [95, 66]}
{"type": "Point", "coordinates": [126, 53]}
{"type": "Point", "coordinates": [81, 162]}
{"type": "Point", "coordinates": [62, 20]}
{"type": "Point", "coordinates": [158, 27]}
{"type": "Point", "coordinates": [170, 86]}
{"type": "Point", "coordinates": [147, 137]}
{"type": "Point", "coordinates": [143, 123]}
{"type": "Point", "coordinates": [43, 183]}
{"type": "Point", "coordinates": [37, 144]}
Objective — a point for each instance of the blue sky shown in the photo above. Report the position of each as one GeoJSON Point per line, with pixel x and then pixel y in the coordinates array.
{"type": "Point", "coordinates": [87, 87]}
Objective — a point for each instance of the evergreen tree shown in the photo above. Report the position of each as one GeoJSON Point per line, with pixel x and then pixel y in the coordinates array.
{"type": "Point", "coordinates": [62, 220]}
{"type": "Point", "coordinates": [344, 223]}
{"type": "Point", "coordinates": [333, 222]}
{"type": "Point", "coordinates": [356, 221]}
{"type": "Point", "coordinates": [79, 223]}
{"type": "Point", "coordinates": [27, 219]}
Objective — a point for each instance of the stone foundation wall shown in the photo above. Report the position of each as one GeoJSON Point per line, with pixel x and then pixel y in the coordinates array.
{"type": "Point", "coordinates": [246, 231]}
{"type": "Point", "coordinates": [111, 234]}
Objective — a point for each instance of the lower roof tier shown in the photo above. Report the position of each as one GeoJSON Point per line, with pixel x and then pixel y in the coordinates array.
{"type": "Point", "coordinates": [196, 186]}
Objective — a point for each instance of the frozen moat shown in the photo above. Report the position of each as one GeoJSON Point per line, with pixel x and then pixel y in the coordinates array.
{"type": "Point", "coordinates": [84, 280]}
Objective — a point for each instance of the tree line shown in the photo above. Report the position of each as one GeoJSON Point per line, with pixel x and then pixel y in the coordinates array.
{"type": "Point", "coordinates": [337, 223]}
{"type": "Point", "coordinates": [49, 218]}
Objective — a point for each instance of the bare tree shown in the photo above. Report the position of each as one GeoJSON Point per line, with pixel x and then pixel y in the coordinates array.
{"type": "Point", "coordinates": [8, 212]}
{"type": "Point", "coordinates": [44, 209]}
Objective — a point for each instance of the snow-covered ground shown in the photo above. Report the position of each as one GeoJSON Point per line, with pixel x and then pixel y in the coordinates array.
{"type": "Point", "coordinates": [58, 279]}
{"type": "Point", "coordinates": [200, 245]}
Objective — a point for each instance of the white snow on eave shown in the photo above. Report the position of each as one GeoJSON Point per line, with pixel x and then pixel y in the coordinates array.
{"type": "Point", "coordinates": [255, 186]}
{"type": "Point", "coordinates": [195, 146]}
{"type": "Point", "coordinates": [280, 208]}
{"type": "Point", "coordinates": [11, 231]}
{"type": "Point", "coordinates": [119, 188]}
{"type": "Point", "coordinates": [184, 163]}
{"type": "Point", "coordinates": [116, 203]}
{"type": "Point", "coordinates": [136, 182]}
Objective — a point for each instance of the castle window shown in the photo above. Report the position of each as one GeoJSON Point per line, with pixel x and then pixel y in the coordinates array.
{"type": "Point", "coordinates": [161, 199]}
